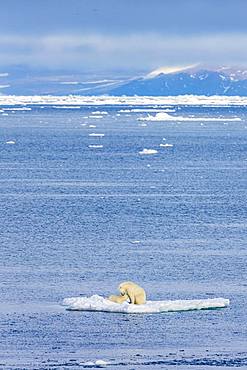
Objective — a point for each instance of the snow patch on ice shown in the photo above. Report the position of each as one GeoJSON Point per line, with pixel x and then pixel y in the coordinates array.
{"type": "Point", "coordinates": [98, 303]}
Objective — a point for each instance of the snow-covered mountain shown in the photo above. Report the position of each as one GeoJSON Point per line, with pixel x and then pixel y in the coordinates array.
{"type": "Point", "coordinates": [193, 81]}
{"type": "Point", "coordinates": [164, 81]}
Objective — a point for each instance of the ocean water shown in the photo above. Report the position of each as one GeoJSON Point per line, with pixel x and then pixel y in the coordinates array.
{"type": "Point", "coordinates": [78, 220]}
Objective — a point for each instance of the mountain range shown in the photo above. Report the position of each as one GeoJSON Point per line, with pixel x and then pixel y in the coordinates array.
{"type": "Point", "coordinates": [191, 80]}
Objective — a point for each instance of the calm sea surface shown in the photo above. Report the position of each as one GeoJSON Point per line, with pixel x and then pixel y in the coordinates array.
{"type": "Point", "coordinates": [76, 220]}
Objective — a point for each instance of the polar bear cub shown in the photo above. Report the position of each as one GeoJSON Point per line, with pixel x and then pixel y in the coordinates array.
{"type": "Point", "coordinates": [135, 293]}
{"type": "Point", "coordinates": [131, 292]}
{"type": "Point", "coordinates": [118, 298]}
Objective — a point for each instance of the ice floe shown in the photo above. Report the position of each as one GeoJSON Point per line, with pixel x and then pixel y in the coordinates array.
{"type": "Point", "coordinates": [166, 145]}
{"type": "Point", "coordinates": [95, 134]}
{"type": "Point", "coordinates": [98, 303]}
{"type": "Point", "coordinates": [10, 142]}
{"type": "Point", "coordinates": [17, 109]}
{"type": "Point", "coordinates": [72, 100]}
{"type": "Point", "coordinates": [148, 151]}
{"type": "Point", "coordinates": [162, 116]}
{"type": "Point", "coordinates": [97, 363]}
{"type": "Point", "coordinates": [92, 146]}
{"type": "Point", "coordinates": [94, 116]}
{"type": "Point", "coordinates": [66, 107]}
{"type": "Point", "coordinates": [97, 112]}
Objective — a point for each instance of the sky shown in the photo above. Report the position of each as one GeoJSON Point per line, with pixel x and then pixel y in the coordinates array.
{"type": "Point", "coordinates": [105, 35]}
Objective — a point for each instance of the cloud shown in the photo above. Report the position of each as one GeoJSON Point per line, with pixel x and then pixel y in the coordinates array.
{"type": "Point", "coordinates": [136, 51]}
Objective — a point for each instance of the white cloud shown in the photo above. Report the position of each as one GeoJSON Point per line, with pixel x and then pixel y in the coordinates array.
{"type": "Point", "coordinates": [144, 51]}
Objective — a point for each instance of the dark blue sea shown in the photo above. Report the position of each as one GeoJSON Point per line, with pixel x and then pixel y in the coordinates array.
{"type": "Point", "coordinates": [78, 220]}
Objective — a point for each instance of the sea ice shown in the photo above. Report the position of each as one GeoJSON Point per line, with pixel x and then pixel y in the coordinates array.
{"type": "Point", "coordinates": [98, 303]}
{"type": "Point", "coordinates": [167, 117]}
{"type": "Point", "coordinates": [98, 363]}
{"type": "Point", "coordinates": [95, 146]}
{"type": "Point", "coordinates": [99, 113]}
{"type": "Point", "coordinates": [94, 134]}
{"type": "Point", "coordinates": [73, 100]}
{"type": "Point", "coordinates": [148, 151]}
{"type": "Point", "coordinates": [10, 142]}
{"type": "Point", "coordinates": [166, 145]}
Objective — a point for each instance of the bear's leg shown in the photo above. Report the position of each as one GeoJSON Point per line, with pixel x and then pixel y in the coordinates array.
{"type": "Point", "coordinates": [132, 298]}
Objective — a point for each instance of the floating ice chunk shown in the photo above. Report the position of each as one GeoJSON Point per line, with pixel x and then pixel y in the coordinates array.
{"type": "Point", "coordinates": [98, 363]}
{"type": "Point", "coordinates": [66, 107]}
{"type": "Point", "coordinates": [101, 363]}
{"type": "Point", "coordinates": [95, 146]}
{"type": "Point", "coordinates": [154, 101]}
{"type": "Point", "coordinates": [161, 116]}
{"type": "Point", "coordinates": [167, 117]}
{"type": "Point", "coordinates": [94, 134]}
{"type": "Point", "coordinates": [17, 109]}
{"type": "Point", "coordinates": [92, 126]}
{"type": "Point", "coordinates": [5, 114]}
{"type": "Point", "coordinates": [10, 142]}
{"type": "Point", "coordinates": [135, 241]}
{"type": "Point", "coordinates": [99, 112]}
{"type": "Point", "coordinates": [166, 145]}
{"type": "Point", "coordinates": [143, 124]}
{"type": "Point", "coordinates": [99, 116]}
{"type": "Point", "coordinates": [98, 303]}
{"type": "Point", "coordinates": [148, 151]}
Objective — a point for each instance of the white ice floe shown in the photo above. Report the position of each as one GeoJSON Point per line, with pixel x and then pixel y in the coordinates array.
{"type": "Point", "coordinates": [94, 116]}
{"type": "Point", "coordinates": [97, 112]}
{"type": "Point", "coordinates": [95, 146]}
{"type": "Point", "coordinates": [17, 109]}
{"type": "Point", "coordinates": [162, 116]}
{"type": "Point", "coordinates": [10, 142]}
{"type": "Point", "coordinates": [148, 151]}
{"type": "Point", "coordinates": [166, 145]}
{"type": "Point", "coordinates": [72, 100]}
{"type": "Point", "coordinates": [98, 303]}
{"type": "Point", "coordinates": [66, 107]}
{"type": "Point", "coordinates": [147, 110]}
{"type": "Point", "coordinates": [98, 363]}
{"type": "Point", "coordinates": [95, 134]}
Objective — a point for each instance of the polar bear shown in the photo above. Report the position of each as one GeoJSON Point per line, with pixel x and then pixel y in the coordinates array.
{"type": "Point", "coordinates": [118, 298]}
{"type": "Point", "coordinates": [135, 293]}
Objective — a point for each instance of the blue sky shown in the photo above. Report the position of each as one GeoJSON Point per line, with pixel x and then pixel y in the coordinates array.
{"type": "Point", "coordinates": [122, 34]}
